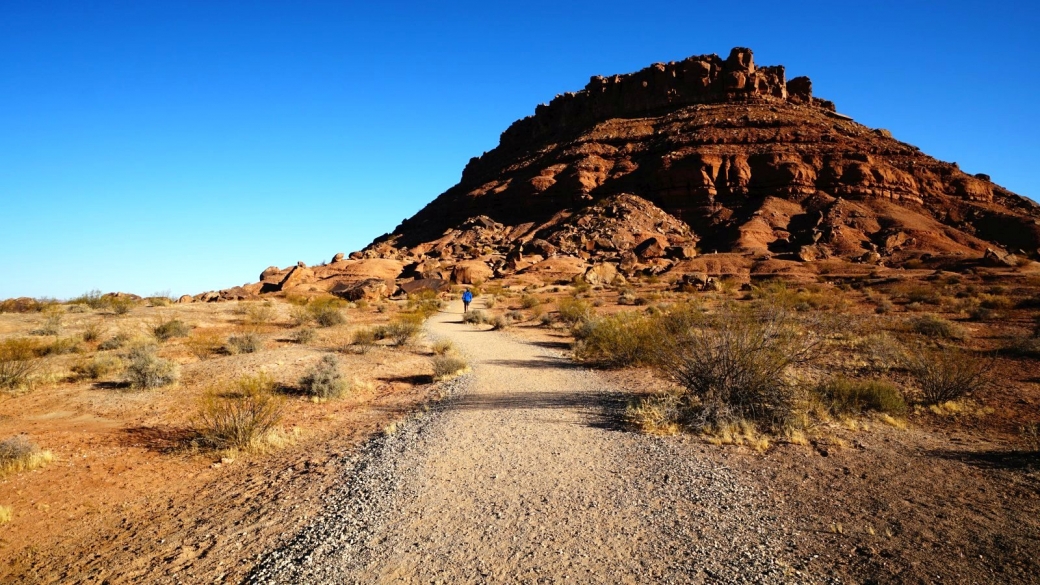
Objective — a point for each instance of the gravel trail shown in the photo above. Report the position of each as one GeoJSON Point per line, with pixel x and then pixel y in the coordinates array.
{"type": "Point", "coordinates": [523, 475]}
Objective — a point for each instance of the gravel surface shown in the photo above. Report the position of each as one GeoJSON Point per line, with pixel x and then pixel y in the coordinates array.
{"type": "Point", "coordinates": [522, 474]}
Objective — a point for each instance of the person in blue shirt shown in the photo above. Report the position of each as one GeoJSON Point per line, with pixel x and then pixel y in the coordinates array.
{"type": "Point", "coordinates": [467, 298]}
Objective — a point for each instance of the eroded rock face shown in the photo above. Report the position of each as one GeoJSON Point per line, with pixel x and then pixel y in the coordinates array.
{"type": "Point", "coordinates": [707, 165]}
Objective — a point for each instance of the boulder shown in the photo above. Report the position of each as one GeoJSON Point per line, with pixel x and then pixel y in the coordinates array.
{"type": "Point", "coordinates": [470, 272]}
{"type": "Point", "coordinates": [999, 258]}
{"type": "Point", "coordinates": [299, 275]}
{"type": "Point", "coordinates": [186, 299]}
{"type": "Point", "coordinates": [338, 257]}
{"type": "Point", "coordinates": [653, 247]}
{"type": "Point", "coordinates": [809, 253]}
{"type": "Point", "coordinates": [423, 284]}
{"type": "Point", "coordinates": [681, 252]}
{"type": "Point", "coordinates": [370, 288]}
{"type": "Point", "coordinates": [602, 273]}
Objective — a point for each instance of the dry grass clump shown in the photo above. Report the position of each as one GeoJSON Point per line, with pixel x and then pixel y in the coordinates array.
{"type": "Point", "coordinates": [501, 322]}
{"type": "Point", "coordinates": [326, 312]}
{"type": "Point", "coordinates": [618, 340]}
{"type": "Point", "coordinates": [117, 341]}
{"type": "Point", "coordinates": [401, 329]}
{"type": "Point", "coordinates": [19, 362]}
{"type": "Point", "coordinates": [92, 332]}
{"type": "Point", "coordinates": [364, 339]}
{"type": "Point", "coordinates": [18, 454]}
{"type": "Point", "coordinates": [303, 335]}
{"type": "Point", "coordinates": [476, 317]}
{"type": "Point", "coordinates": [448, 366]}
{"type": "Point", "coordinates": [425, 303]}
{"type": "Point", "coordinates": [52, 323]}
{"type": "Point", "coordinates": [259, 313]}
{"type": "Point", "coordinates": [61, 346]}
{"type": "Point", "coordinates": [243, 417]}
{"type": "Point", "coordinates": [324, 380]}
{"type": "Point", "coordinates": [100, 366]}
{"type": "Point", "coordinates": [529, 301]}
{"type": "Point", "coordinates": [167, 330]}
{"type": "Point", "coordinates": [244, 343]}
{"type": "Point", "coordinates": [573, 310]}
{"type": "Point", "coordinates": [933, 326]}
{"type": "Point", "coordinates": [947, 374]}
{"type": "Point", "coordinates": [204, 343]}
{"type": "Point", "coordinates": [144, 369]}
{"type": "Point", "coordinates": [845, 397]}
{"type": "Point", "coordinates": [656, 415]}
{"type": "Point", "coordinates": [442, 347]}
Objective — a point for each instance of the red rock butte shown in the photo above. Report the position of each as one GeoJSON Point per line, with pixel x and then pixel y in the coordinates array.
{"type": "Point", "coordinates": [705, 165]}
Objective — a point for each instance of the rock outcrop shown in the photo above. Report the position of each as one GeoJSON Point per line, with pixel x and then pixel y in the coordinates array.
{"type": "Point", "coordinates": [703, 166]}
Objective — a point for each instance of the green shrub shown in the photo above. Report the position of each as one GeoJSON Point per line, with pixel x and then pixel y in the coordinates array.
{"type": "Point", "coordinates": [933, 326]}
{"type": "Point", "coordinates": [120, 305]}
{"type": "Point", "coordinates": [19, 361]}
{"type": "Point", "coordinates": [167, 330]}
{"type": "Point", "coordinates": [573, 310]}
{"type": "Point", "coordinates": [447, 366]}
{"type": "Point", "coordinates": [328, 316]}
{"type": "Point", "coordinates": [844, 396]}
{"type": "Point", "coordinates": [946, 374]}
{"type": "Point", "coordinates": [144, 369]}
{"type": "Point", "coordinates": [18, 454]}
{"type": "Point", "coordinates": [241, 418]}
{"type": "Point", "coordinates": [62, 346]}
{"type": "Point", "coordinates": [244, 343]}
{"type": "Point", "coordinates": [324, 380]}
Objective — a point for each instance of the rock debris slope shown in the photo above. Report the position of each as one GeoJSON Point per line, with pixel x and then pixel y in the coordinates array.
{"type": "Point", "coordinates": [521, 477]}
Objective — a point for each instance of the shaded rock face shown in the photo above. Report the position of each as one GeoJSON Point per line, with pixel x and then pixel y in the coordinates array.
{"type": "Point", "coordinates": [748, 161]}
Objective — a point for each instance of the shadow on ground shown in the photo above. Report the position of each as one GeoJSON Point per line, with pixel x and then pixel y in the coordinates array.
{"type": "Point", "coordinates": [994, 459]}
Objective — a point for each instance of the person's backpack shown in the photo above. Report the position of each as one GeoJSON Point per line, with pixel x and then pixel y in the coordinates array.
{"type": "Point", "coordinates": [467, 296]}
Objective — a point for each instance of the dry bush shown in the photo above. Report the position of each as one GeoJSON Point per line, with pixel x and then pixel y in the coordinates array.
{"type": "Point", "coordinates": [144, 369]}
{"type": "Point", "coordinates": [204, 343]}
{"type": "Point", "coordinates": [425, 303]}
{"type": "Point", "coordinates": [476, 317]}
{"type": "Point", "coordinates": [167, 330]}
{"type": "Point", "coordinates": [946, 374]}
{"type": "Point", "coordinates": [62, 346]}
{"type": "Point", "coordinates": [303, 335]}
{"type": "Point", "coordinates": [363, 339]}
{"type": "Point", "coordinates": [326, 312]}
{"type": "Point", "coordinates": [25, 305]}
{"type": "Point", "coordinates": [849, 397]}
{"type": "Point", "coordinates": [92, 332]}
{"type": "Point", "coordinates": [117, 341]}
{"type": "Point", "coordinates": [443, 347]}
{"type": "Point", "coordinates": [260, 313]}
{"type": "Point", "coordinates": [401, 329]}
{"type": "Point", "coordinates": [98, 367]}
{"type": "Point", "coordinates": [489, 301]}
{"type": "Point", "coordinates": [737, 363]}
{"type": "Point", "coordinates": [618, 341]}
{"type": "Point", "coordinates": [120, 305]}
{"type": "Point", "coordinates": [324, 380]}
{"type": "Point", "coordinates": [19, 361]}
{"type": "Point", "coordinates": [52, 323]}
{"type": "Point", "coordinates": [529, 301]}
{"type": "Point", "coordinates": [448, 366]}
{"type": "Point", "coordinates": [500, 322]}
{"type": "Point", "coordinates": [656, 415]}
{"type": "Point", "coordinates": [18, 454]}
{"type": "Point", "coordinates": [93, 299]}
{"type": "Point", "coordinates": [240, 418]}
{"type": "Point", "coordinates": [933, 326]}
{"type": "Point", "coordinates": [574, 310]}
{"type": "Point", "coordinates": [244, 343]}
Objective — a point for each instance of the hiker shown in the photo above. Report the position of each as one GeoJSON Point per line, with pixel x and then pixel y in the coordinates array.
{"type": "Point", "coordinates": [467, 298]}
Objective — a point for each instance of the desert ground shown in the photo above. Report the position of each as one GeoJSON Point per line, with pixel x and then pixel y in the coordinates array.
{"type": "Point", "coordinates": [536, 439]}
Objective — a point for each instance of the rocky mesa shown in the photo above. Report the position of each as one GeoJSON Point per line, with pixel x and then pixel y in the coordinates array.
{"type": "Point", "coordinates": [705, 165]}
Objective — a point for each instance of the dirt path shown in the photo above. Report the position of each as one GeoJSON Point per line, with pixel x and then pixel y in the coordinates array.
{"type": "Point", "coordinates": [522, 475]}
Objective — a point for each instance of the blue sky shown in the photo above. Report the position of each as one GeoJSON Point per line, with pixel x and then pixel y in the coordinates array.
{"type": "Point", "coordinates": [185, 146]}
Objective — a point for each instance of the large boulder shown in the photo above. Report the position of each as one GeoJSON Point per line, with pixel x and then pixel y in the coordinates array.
{"type": "Point", "coordinates": [652, 247]}
{"type": "Point", "coordinates": [602, 273]}
{"type": "Point", "coordinates": [424, 284]}
{"type": "Point", "coordinates": [470, 272]}
{"type": "Point", "coordinates": [370, 288]}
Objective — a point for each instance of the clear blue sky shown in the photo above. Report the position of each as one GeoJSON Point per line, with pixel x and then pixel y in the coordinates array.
{"type": "Point", "coordinates": [185, 146]}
